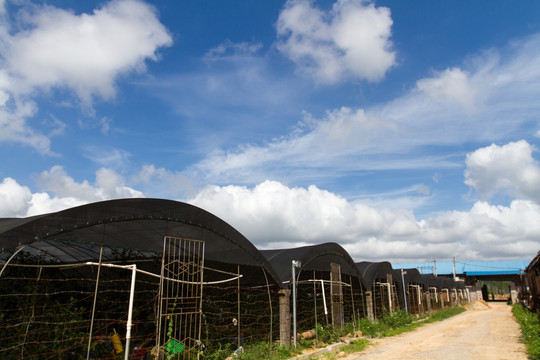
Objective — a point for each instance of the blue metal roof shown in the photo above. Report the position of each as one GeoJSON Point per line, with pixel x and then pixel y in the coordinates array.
{"type": "Point", "coordinates": [502, 267]}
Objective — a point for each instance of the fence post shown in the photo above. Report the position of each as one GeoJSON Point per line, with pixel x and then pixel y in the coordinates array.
{"type": "Point", "coordinates": [284, 317]}
{"type": "Point", "coordinates": [369, 305]}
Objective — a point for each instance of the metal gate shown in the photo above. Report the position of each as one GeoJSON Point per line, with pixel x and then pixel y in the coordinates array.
{"type": "Point", "coordinates": [180, 294]}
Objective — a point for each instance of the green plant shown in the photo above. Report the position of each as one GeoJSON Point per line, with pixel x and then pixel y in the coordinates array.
{"type": "Point", "coordinates": [327, 334]}
{"type": "Point", "coordinates": [355, 346]}
{"type": "Point", "coordinates": [282, 352]}
{"type": "Point", "coordinates": [217, 351]}
{"type": "Point", "coordinates": [530, 329]}
{"type": "Point", "coordinates": [396, 319]}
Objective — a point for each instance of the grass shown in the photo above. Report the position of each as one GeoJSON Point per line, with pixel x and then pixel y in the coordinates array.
{"type": "Point", "coordinates": [530, 329]}
{"type": "Point", "coordinates": [400, 321]}
{"type": "Point", "coordinates": [387, 325]}
{"type": "Point", "coordinates": [355, 346]}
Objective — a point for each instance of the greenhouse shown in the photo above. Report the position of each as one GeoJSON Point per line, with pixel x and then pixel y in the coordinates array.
{"type": "Point", "coordinates": [411, 290]}
{"type": "Point", "coordinates": [164, 279]}
{"type": "Point", "coordinates": [329, 289]}
{"type": "Point", "coordinates": [381, 294]}
{"type": "Point", "coordinates": [432, 286]}
{"type": "Point", "coordinates": [76, 281]}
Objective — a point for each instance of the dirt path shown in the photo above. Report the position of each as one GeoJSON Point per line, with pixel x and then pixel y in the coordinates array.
{"type": "Point", "coordinates": [488, 334]}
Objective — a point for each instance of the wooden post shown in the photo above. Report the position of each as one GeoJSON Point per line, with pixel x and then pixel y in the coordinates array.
{"type": "Point", "coordinates": [284, 317]}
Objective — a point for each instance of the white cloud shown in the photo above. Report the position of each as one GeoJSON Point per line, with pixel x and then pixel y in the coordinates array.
{"type": "Point", "coordinates": [18, 201]}
{"type": "Point", "coordinates": [107, 156]}
{"type": "Point", "coordinates": [14, 127]}
{"type": "Point", "coordinates": [350, 41]}
{"type": "Point", "coordinates": [452, 85]}
{"type": "Point", "coordinates": [60, 191]}
{"type": "Point", "coordinates": [229, 48]}
{"type": "Point", "coordinates": [161, 182]}
{"type": "Point", "coordinates": [14, 198]}
{"type": "Point", "coordinates": [509, 169]}
{"type": "Point", "coordinates": [488, 231]}
{"type": "Point", "coordinates": [345, 140]}
{"type": "Point", "coordinates": [108, 185]}
{"type": "Point", "coordinates": [451, 108]}
{"type": "Point", "coordinates": [273, 215]}
{"type": "Point", "coordinates": [84, 53]}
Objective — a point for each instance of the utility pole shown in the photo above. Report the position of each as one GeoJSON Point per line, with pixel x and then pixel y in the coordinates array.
{"type": "Point", "coordinates": [434, 267]}
{"type": "Point", "coordinates": [454, 262]}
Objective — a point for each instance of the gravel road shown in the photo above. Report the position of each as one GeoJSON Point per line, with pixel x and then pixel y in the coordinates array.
{"type": "Point", "coordinates": [481, 333]}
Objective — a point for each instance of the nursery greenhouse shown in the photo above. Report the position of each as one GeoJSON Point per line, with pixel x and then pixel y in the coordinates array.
{"type": "Point", "coordinates": [133, 267]}
{"type": "Point", "coordinates": [161, 279]}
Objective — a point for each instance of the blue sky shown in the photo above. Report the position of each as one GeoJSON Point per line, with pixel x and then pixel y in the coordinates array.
{"type": "Point", "coordinates": [401, 130]}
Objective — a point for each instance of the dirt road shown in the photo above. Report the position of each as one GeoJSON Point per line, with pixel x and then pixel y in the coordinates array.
{"type": "Point", "coordinates": [487, 334]}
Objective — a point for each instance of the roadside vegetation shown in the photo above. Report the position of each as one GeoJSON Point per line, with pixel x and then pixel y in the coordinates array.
{"type": "Point", "coordinates": [387, 325]}
{"type": "Point", "coordinates": [530, 329]}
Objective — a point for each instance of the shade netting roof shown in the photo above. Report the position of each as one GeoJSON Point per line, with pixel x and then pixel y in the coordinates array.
{"type": "Point", "coordinates": [410, 276]}
{"type": "Point", "coordinates": [460, 285]}
{"type": "Point", "coordinates": [75, 235]}
{"type": "Point", "coordinates": [312, 258]}
{"type": "Point", "coordinates": [430, 281]}
{"type": "Point", "coordinates": [445, 283]}
{"type": "Point", "coordinates": [370, 271]}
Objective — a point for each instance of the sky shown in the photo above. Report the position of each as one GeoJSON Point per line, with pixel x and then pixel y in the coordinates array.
{"type": "Point", "coordinates": [403, 131]}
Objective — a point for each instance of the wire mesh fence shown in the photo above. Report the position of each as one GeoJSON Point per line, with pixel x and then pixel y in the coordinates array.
{"type": "Point", "coordinates": [55, 311]}
{"type": "Point", "coordinates": [76, 311]}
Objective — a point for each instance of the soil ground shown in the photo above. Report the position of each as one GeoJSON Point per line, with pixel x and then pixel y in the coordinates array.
{"type": "Point", "coordinates": [481, 333]}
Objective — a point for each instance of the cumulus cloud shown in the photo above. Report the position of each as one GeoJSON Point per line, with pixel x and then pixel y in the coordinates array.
{"type": "Point", "coordinates": [84, 53]}
{"type": "Point", "coordinates": [273, 215]}
{"type": "Point", "coordinates": [509, 169]}
{"type": "Point", "coordinates": [272, 212]}
{"type": "Point", "coordinates": [14, 198]}
{"type": "Point", "coordinates": [350, 41]}
{"type": "Point", "coordinates": [60, 191]}
{"type": "Point", "coordinates": [108, 185]}
{"type": "Point", "coordinates": [452, 85]}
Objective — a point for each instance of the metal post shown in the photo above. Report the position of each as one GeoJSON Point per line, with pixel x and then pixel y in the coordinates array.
{"type": "Point", "coordinates": [315, 305]}
{"type": "Point", "coordinates": [324, 302]}
{"type": "Point", "coordinates": [238, 301]}
{"type": "Point", "coordinates": [294, 263]}
{"type": "Point", "coordinates": [404, 292]}
{"type": "Point", "coordinates": [129, 324]}
{"type": "Point", "coordinates": [94, 305]}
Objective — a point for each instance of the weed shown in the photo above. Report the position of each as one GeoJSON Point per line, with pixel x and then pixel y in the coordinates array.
{"type": "Point", "coordinates": [355, 346]}
{"type": "Point", "coordinates": [530, 329]}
